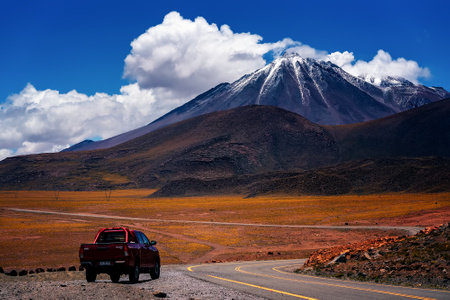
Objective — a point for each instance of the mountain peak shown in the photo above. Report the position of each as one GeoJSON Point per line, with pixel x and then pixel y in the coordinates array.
{"type": "Point", "coordinates": [293, 57]}
{"type": "Point", "coordinates": [290, 54]}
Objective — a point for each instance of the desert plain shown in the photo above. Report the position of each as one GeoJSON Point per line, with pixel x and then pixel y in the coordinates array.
{"type": "Point", "coordinates": [203, 229]}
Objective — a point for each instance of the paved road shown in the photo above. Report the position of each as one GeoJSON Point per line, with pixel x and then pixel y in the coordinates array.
{"type": "Point", "coordinates": [409, 229]}
{"type": "Point", "coordinates": [270, 280]}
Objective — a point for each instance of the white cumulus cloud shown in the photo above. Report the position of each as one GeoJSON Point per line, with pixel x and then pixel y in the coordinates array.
{"type": "Point", "coordinates": [381, 66]}
{"type": "Point", "coordinates": [189, 57]}
{"type": "Point", "coordinates": [35, 121]}
{"type": "Point", "coordinates": [340, 58]}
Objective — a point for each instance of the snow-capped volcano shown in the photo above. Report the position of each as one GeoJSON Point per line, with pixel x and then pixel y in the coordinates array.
{"type": "Point", "coordinates": [319, 91]}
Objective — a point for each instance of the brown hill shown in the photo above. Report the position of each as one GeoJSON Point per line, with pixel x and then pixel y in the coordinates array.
{"type": "Point", "coordinates": [246, 140]}
{"type": "Point", "coordinates": [422, 131]}
{"type": "Point", "coordinates": [385, 155]}
{"type": "Point", "coordinates": [249, 150]}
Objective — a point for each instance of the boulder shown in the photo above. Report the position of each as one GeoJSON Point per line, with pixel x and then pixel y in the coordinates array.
{"type": "Point", "coordinates": [342, 258]}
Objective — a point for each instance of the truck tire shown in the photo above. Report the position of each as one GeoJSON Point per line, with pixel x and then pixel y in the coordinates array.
{"type": "Point", "coordinates": [115, 277]}
{"type": "Point", "coordinates": [134, 273]}
{"type": "Point", "coordinates": [154, 272]}
{"type": "Point", "coordinates": [91, 275]}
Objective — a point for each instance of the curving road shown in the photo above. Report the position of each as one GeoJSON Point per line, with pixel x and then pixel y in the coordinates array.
{"type": "Point", "coordinates": [270, 280]}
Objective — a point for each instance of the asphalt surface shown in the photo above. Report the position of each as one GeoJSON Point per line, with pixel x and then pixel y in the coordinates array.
{"type": "Point", "coordinates": [275, 280]}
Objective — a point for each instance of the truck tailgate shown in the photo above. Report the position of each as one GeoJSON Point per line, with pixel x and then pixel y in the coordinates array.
{"type": "Point", "coordinates": [103, 252]}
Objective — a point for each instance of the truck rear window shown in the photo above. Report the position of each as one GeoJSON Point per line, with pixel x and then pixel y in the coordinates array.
{"type": "Point", "coordinates": [116, 236]}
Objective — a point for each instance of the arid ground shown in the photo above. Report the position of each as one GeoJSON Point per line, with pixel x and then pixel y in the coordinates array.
{"type": "Point", "coordinates": [35, 240]}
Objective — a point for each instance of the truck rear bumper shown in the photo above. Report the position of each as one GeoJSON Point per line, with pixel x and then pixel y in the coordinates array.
{"type": "Point", "coordinates": [117, 267]}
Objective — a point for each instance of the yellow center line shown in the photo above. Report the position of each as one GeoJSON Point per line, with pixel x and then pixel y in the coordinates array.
{"type": "Point", "coordinates": [252, 285]}
{"type": "Point", "coordinates": [238, 269]}
{"type": "Point", "coordinates": [263, 288]}
{"type": "Point", "coordinates": [335, 285]}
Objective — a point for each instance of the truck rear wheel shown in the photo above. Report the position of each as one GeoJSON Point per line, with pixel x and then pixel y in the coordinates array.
{"type": "Point", "coordinates": [154, 272]}
{"type": "Point", "coordinates": [134, 273]}
{"type": "Point", "coordinates": [91, 275]}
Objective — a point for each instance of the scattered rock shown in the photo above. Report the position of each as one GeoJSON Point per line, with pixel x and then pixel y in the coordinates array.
{"type": "Point", "coordinates": [324, 256]}
{"type": "Point", "coordinates": [39, 270]}
{"type": "Point", "coordinates": [12, 273]}
{"type": "Point", "coordinates": [72, 268]}
{"type": "Point", "coordinates": [23, 273]}
{"type": "Point", "coordinates": [366, 256]}
{"type": "Point", "coordinates": [2, 271]}
{"type": "Point", "coordinates": [160, 295]}
{"type": "Point", "coordinates": [62, 269]}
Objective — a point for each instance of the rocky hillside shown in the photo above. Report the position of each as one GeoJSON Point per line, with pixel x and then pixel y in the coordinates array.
{"type": "Point", "coordinates": [420, 260]}
{"type": "Point", "coordinates": [281, 148]}
{"type": "Point", "coordinates": [410, 175]}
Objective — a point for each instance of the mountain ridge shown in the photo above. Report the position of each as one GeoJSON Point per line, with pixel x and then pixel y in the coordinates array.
{"type": "Point", "coordinates": [252, 141]}
{"type": "Point", "coordinates": [319, 91]}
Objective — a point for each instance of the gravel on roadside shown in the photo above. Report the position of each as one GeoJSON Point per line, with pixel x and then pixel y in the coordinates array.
{"type": "Point", "coordinates": [175, 283]}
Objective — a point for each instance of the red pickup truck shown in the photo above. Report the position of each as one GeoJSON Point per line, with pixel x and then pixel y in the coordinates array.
{"type": "Point", "coordinates": [118, 251]}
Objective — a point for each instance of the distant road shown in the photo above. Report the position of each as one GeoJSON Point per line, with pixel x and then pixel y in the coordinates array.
{"type": "Point", "coordinates": [269, 280]}
{"type": "Point", "coordinates": [409, 229]}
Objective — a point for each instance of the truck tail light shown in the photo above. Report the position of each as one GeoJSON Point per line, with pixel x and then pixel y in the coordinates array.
{"type": "Point", "coordinates": [125, 250]}
{"type": "Point", "coordinates": [81, 252]}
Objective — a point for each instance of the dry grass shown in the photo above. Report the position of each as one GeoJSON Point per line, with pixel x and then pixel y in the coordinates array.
{"type": "Point", "coordinates": [53, 240]}
{"type": "Point", "coordinates": [305, 210]}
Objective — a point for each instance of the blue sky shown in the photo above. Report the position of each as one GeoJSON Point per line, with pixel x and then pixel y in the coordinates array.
{"type": "Point", "coordinates": [50, 48]}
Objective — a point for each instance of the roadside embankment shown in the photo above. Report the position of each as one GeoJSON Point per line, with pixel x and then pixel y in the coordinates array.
{"type": "Point", "coordinates": [422, 259]}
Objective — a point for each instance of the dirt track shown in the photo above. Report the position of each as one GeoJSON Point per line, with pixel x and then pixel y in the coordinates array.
{"type": "Point", "coordinates": [409, 229]}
